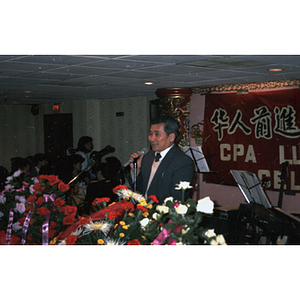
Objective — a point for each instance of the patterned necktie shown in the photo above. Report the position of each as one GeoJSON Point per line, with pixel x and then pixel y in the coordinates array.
{"type": "Point", "coordinates": [157, 157]}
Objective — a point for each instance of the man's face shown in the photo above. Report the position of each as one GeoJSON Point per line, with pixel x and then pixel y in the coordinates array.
{"type": "Point", "coordinates": [158, 138]}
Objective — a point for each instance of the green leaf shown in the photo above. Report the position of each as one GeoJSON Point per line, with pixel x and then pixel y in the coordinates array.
{"type": "Point", "coordinates": [170, 226]}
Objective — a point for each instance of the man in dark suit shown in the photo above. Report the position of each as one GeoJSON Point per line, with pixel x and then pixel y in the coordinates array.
{"type": "Point", "coordinates": [160, 177]}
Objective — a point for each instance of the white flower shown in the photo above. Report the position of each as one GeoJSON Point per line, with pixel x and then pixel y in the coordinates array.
{"type": "Point", "coordinates": [111, 242]}
{"type": "Point", "coordinates": [162, 209]}
{"type": "Point", "coordinates": [221, 240]}
{"type": "Point", "coordinates": [101, 226]}
{"type": "Point", "coordinates": [183, 185]}
{"type": "Point", "coordinates": [205, 205]}
{"type": "Point", "coordinates": [16, 226]}
{"type": "Point", "coordinates": [155, 216]}
{"type": "Point", "coordinates": [77, 232]}
{"type": "Point", "coordinates": [2, 199]}
{"type": "Point", "coordinates": [168, 199]}
{"type": "Point", "coordinates": [181, 209]}
{"type": "Point", "coordinates": [31, 189]}
{"type": "Point", "coordinates": [20, 207]}
{"type": "Point", "coordinates": [8, 187]}
{"type": "Point", "coordinates": [210, 233]}
{"type": "Point", "coordinates": [17, 173]}
{"type": "Point", "coordinates": [179, 244]}
{"type": "Point", "coordinates": [8, 179]}
{"type": "Point", "coordinates": [20, 199]}
{"type": "Point", "coordinates": [126, 193]}
{"type": "Point", "coordinates": [1, 214]}
{"type": "Point", "coordinates": [144, 222]}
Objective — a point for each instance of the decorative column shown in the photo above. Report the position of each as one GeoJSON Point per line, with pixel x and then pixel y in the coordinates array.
{"type": "Point", "coordinates": [175, 103]}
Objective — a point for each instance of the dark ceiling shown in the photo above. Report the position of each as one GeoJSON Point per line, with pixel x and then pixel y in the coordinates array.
{"type": "Point", "coordinates": [37, 79]}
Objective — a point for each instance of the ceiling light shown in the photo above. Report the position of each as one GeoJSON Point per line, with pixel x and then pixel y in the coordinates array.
{"type": "Point", "coordinates": [28, 92]}
{"type": "Point", "coordinates": [148, 83]}
{"type": "Point", "coordinates": [275, 70]}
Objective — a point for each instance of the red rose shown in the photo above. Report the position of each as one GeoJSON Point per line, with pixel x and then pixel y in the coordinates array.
{"type": "Point", "coordinates": [53, 179]}
{"type": "Point", "coordinates": [69, 220]}
{"type": "Point", "coordinates": [153, 198]}
{"type": "Point", "coordinates": [63, 187]}
{"type": "Point", "coordinates": [43, 211]}
{"type": "Point", "coordinates": [41, 177]}
{"type": "Point", "coordinates": [31, 198]}
{"type": "Point", "coordinates": [38, 187]}
{"type": "Point", "coordinates": [69, 210]}
{"type": "Point", "coordinates": [40, 201]}
{"type": "Point", "coordinates": [119, 187]}
{"type": "Point", "coordinates": [59, 202]}
{"type": "Point", "coordinates": [51, 233]}
{"type": "Point", "coordinates": [52, 224]}
{"type": "Point", "coordinates": [112, 215]}
{"type": "Point", "coordinates": [29, 207]}
{"type": "Point", "coordinates": [142, 208]}
{"type": "Point", "coordinates": [134, 242]}
{"type": "Point", "coordinates": [71, 239]}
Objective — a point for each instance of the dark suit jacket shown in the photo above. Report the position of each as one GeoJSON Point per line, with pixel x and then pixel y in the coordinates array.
{"type": "Point", "coordinates": [175, 167]}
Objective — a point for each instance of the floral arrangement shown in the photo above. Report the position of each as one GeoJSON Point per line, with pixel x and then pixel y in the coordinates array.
{"type": "Point", "coordinates": [134, 221]}
{"type": "Point", "coordinates": [33, 210]}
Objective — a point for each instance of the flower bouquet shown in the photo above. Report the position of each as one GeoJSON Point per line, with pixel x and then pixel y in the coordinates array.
{"type": "Point", "coordinates": [33, 210]}
{"type": "Point", "coordinates": [134, 221]}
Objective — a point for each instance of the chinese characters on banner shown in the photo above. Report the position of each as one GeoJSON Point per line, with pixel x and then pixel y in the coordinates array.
{"type": "Point", "coordinates": [256, 132]}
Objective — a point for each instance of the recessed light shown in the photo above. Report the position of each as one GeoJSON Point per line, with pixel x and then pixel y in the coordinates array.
{"type": "Point", "coordinates": [275, 70]}
{"type": "Point", "coordinates": [148, 83]}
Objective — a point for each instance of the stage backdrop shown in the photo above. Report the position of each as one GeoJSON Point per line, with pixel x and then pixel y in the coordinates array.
{"type": "Point", "coordinates": [256, 132]}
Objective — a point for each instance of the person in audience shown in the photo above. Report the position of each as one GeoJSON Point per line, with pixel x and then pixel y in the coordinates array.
{"type": "Point", "coordinates": [19, 163]}
{"type": "Point", "coordinates": [39, 161]}
{"type": "Point", "coordinates": [84, 147]}
{"type": "Point", "coordinates": [165, 165]}
{"type": "Point", "coordinates": [108, 176]}
{"type": "Point", "coordinates": [78, 181]}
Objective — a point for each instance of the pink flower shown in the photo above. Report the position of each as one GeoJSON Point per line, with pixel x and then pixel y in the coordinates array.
{"type": "Point", "coordinates": [20, 207]}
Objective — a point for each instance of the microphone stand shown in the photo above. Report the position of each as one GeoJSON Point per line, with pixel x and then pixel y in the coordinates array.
{"type": "Point", "coordinates": [135, 173]}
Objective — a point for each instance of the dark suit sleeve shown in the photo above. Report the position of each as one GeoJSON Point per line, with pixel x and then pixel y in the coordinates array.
{"type": "Point", "coordinates": [183, 171]}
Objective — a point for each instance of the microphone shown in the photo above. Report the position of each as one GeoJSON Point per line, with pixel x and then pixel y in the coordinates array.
{"type": "Point", "coordinates": [143, 151]}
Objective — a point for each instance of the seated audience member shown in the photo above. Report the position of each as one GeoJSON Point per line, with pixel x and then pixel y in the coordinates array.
{"type": "Point", "coordinates": [39, 160]}
{"type": "Point", "coordinates": [77, 180]}
{"type": "Point", "coordinates": [84, 147]}
{"type": "Point", "coordinates": [19, 163]}
{"type": "Point", "coordinates": [108, 177]}
{"type": "Point", "coordinates": [3, 176]}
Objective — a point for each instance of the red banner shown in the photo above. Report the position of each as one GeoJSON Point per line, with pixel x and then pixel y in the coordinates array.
{"type": "Point", "coordinates": [257, 132]}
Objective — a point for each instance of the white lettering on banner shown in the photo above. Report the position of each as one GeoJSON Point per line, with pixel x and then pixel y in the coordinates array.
{"type": "Point", "coordinates": [277, 181]}
{"type": "Point", "coordinates": [293, 186]}
{"type": "Point", "coordinates": [285, 122]}
{"type": "Point", "coordinates": [263, 173]}
{"type": "Point", "coordinates": [224, 157]}
{"type": "Point", "coordinates": [238, 150]}
{"type": "Point", "coordinates": [282, 158]}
